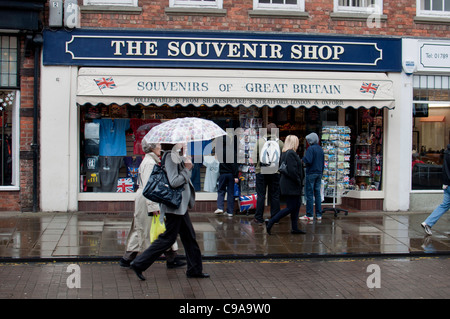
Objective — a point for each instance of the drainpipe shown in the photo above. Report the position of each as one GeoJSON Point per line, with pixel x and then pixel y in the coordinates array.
{"type": "Point", "coordinates": [37, 41]}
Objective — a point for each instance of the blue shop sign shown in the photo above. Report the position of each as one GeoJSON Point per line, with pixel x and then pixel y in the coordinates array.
{"type": "Point", "coordinates": [134, 48]}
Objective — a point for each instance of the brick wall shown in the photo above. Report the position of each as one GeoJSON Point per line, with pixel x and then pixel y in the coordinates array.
{"type": "Point", "coordinates": [400, 20]}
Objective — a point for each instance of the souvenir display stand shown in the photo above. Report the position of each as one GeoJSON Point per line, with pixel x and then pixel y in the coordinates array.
{"type": "Point", "coordinates": [336, 180]}
{"type": "Point", "coordinates": [251, 122]}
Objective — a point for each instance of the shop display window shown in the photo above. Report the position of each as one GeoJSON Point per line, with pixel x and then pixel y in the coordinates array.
{"type": "Point", "coordinates": [111, 152]}
{"type": "Point", "coordinates": [366, 158]}
{"type": "Point", "coordinates": [431, 134]}
{"type": "Point", "coordinates": [7, 104]}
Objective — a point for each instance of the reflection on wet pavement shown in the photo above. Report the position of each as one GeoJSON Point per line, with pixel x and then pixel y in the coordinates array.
{"type": "Point", "coordinates": [53, 235]}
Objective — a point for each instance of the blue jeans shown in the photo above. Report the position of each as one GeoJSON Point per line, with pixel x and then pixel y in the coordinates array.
{"type": "Point", "coordinates": [312, 189]}
{"type": "Point", "coordinates": [226, 185]}
{"type": "Point", "coordinates": [440, 210]}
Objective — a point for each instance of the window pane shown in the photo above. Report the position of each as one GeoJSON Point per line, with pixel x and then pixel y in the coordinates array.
{"type": "Point", "coordinates": [8, 61]}
{"type": "Point", "coordinates": [437, 5]}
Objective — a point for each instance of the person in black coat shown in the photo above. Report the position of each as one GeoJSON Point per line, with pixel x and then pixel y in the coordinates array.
{"type": "Point", "coordinates": [290, 185]}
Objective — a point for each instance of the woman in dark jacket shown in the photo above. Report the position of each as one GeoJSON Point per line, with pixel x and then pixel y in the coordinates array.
{"type": "Point", "coordinates": [178, 170]}
{"type": "Point", "coordinates": [290, 185]}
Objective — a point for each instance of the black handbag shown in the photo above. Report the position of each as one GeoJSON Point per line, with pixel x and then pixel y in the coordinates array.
{"type": "Point", "coordinates": [159, 190]}
{"type": "Point", "coordinates": [283, 168]}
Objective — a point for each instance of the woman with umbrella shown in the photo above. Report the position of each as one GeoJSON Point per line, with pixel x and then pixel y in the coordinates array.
{"type": "Point", "coordinates": [178, 170]}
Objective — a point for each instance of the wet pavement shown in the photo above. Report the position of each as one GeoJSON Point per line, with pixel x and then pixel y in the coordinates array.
{"type": "Point", "coordinates": [102, 236]}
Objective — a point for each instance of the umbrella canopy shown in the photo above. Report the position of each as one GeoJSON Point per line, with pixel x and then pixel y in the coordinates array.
{"type": "Point", "coordinates": [184, 130]}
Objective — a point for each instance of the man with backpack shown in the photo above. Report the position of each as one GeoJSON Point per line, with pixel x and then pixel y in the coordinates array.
{"type": "Point", "coordinates": [267, 158]}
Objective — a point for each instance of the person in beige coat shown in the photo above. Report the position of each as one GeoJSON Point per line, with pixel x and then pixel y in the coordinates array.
{"type": "Point", "coordinates": [139, 236]}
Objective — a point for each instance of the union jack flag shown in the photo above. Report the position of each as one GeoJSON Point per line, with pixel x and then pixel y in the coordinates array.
{"type": "Point", "coordinates": [247, 202]}
{"type": "Point", "coordinates": [369, 88]}
{"type": "Point", "coordinates": [104, 83]}
{"type": "Point", "coordinates": [125, 185]}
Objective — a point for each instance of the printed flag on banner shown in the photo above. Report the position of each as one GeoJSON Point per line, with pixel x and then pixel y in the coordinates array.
{"type": "Point", "coordinates": [105, 83]}
{"type": "Point", "coordinates": [247, 202]}
{"type": "Point", "coordinates": [125, 185]}
{"type": "Point", "coordinates": [369, 88]}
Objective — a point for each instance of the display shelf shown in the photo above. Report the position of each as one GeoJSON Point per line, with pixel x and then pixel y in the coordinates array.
{"type": "Point", "coordinates": [336, 180]}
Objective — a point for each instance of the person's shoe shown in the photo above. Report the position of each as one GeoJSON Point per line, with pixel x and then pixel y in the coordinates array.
{"type": "Point", "coordinates": [124, 263]}
{"type": "Point", "coordinates": [297, 232]}
{"type": "Point", "coordinates": [175, 264]}
{"type": "Point", "coordinates": [427, 229]}
{"type": "Point", "coordinates": [259, 222]}
{"type": "Point", "coordinates": [305, 218]}
{"type": "Point", "coordinates": [267, 227]}
{"type": "Point", "coordinates": [319, 218]}
{"type": "Point", "coordinates": [200, 275]}
{"type": "Point", "coordinates": [229, 215]}
{"type": "Point", "coordinates": [218, 211]}
{"type": "Point", "coordinates": [137, 272]}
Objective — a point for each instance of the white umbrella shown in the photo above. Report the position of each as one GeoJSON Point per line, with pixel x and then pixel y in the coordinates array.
{"type": "Point", "coordinates": [184, 130]}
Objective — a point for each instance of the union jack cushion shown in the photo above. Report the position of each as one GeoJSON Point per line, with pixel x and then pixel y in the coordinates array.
{"type": "Point", "coordinates": [125, 185]}
{"type": "Point", "coordinates": [247, 202]}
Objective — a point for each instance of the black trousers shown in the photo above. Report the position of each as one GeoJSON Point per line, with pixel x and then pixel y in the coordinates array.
{"type": "Point", "coordinates": [175, 224]}
{"type": "Point", "coordinates": [293, 203]}
{"type": "Point", "coordinates": [272, 182]}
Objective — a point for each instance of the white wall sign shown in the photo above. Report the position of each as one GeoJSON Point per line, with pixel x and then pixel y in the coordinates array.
{"type": "Point", "coordinates": [434, 55]}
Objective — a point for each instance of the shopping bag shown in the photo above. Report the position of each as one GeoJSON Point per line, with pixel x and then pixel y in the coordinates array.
{"type": "Point", "coordinates": [236, 191]}
{"type": "Point", "coordinates": [157, 228]}
{"type": "Point", "coordinates": [247, 202]}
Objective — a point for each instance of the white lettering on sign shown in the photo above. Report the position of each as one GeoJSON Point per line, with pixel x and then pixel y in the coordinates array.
{"type": "Point", "coordinates": [314, 52]}
{"type": "Point", "coordinates": [135, 47]}
{"type": "Point", "coordinates": [230, 50]}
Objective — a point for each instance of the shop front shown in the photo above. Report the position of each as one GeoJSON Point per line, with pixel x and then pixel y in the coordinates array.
{"type": "Point", "coordinates": [429, 78]}
{"type": "Point", "coordinates": [103, 90]}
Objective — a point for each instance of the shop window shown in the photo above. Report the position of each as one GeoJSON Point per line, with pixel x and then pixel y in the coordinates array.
{"type": "Point", "coordinates": [111, 150]}
{"type": "Point", "coordinates": [8, 62]}
{"type": "Point", "coordinates": [361, 6]}
{"type": "Point", "coordinates": [298, 5]}
{"type": "Point", "coordinates": [113, 167]}
{"type": "Point", "coordinates": [431, 134]}
{"type": "Point", "coordinates": [366, 157]}
{"type": "Point", "coordinates": [365, 161]}
{"type": "Point", "coordinates": [433, 8]}
{"type": "Point", "coordinates": [8, 133]}
{"type": "Point", "coordinates": [197, 3]}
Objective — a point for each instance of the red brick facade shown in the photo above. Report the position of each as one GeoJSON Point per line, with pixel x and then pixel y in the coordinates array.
{"type": "Point", "coordinates": [399, 20]}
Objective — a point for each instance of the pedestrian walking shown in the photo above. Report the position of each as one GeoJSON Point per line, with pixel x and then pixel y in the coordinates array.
{"type": "Point", "coordinates": [445, 205]}
{"type": "Point", "coordinates": [314, 163]}
{"type": "Point", "coordinates": [267, 156]}
{"type": "Point", "coordinates": [178, 170]}
{"type": "Point", "coordinates": [291, 178]}
{"type": "Point", "coordinates": [226, 151]}
{"type": "Point", "coordinates": [139, 236]}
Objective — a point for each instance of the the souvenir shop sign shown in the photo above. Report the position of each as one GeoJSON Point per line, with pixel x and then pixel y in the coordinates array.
{"type": "Point", "coordinates": [220, 50]}
{"type": "Point", "coordinates": [230, 87]}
